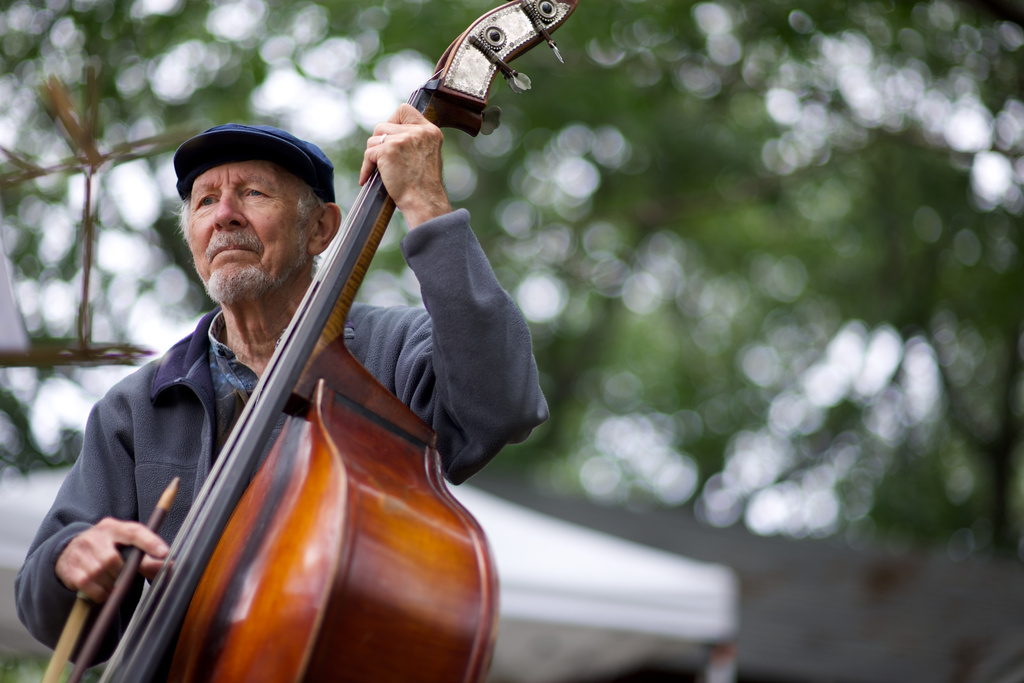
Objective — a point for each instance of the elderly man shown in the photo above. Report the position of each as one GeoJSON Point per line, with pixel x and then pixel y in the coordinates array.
{"type": "Point", "coordinates": [258, 205]}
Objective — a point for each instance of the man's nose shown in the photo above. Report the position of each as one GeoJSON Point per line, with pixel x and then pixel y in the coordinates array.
{"type": "Point", "coordinates": [228, 213]}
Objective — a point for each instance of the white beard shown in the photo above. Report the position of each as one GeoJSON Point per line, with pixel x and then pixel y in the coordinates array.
{"type": "Point", "coordinates": [246, 283]}
{"type": "Point", "coordinates": [233, 284]}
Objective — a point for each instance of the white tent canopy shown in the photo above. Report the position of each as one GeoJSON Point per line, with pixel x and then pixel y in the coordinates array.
{"type": "Point", "coordinates": [23, 503]}
{"type": "Point", "coordinates": [573, 602]}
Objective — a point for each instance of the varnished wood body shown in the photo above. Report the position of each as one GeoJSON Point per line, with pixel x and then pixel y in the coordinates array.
{"type": "Point", "coordinates": [347, 559]}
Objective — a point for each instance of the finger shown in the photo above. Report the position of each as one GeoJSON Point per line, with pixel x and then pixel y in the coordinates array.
{"type": "Point", "coordinates": [95, 591]}
{"type": "Point", "coordinates": [370, 155]}
{"type": "Point", "coordinates": [406, 114]}
{"type": "Point", "coordinates": [93, 576]}
{"type": "Point", "coordinates": [141, 537]}
{"type": "Point", "coordinates": [82, 562]}
{"type": "Point", "coordinates": [150, 566]}
{"type": "Point", "coordinates": [376, 149]}
{"type": "Point", "coordinates": [368, 166]}
{"type": "Point", "coordinates": [378, 138]}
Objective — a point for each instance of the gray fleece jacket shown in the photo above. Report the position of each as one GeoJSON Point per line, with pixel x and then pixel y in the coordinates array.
{"type": "Point", "coordinates": [464, 365]}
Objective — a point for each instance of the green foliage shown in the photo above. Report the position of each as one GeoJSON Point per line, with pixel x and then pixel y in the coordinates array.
{"type": "Point", "coordinates": [31, 670]}
{"type": "Point", "coordinates": [770, 255]}
{"type": "Point", "coordinates": [21, 669]}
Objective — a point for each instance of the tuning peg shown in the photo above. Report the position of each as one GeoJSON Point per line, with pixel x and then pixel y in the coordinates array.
{"type": "Point", "coordinates": [491, 120]}
{"type": "Point", "coordinates": [547, 10]}
{"type": "Point", "coordinates": [518, 81]}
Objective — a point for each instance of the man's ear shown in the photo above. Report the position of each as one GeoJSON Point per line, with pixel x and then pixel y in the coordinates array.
{"type": "Point", "coordinates": [323, 229]}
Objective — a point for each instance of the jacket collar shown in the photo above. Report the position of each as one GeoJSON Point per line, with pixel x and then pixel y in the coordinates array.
{"type": "Point", "coordinates": [187, 360]}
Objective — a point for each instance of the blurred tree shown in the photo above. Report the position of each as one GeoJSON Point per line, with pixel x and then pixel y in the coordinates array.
{"type": "Point", "coordinates": [770, 255]}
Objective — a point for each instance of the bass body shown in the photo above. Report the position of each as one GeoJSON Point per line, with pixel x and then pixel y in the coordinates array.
{"type": "Point", "coordinates": [346, 559]}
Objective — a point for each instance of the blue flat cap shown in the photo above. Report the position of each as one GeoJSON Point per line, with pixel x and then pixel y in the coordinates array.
{"type": "Point", "coordinates": [239, 142]}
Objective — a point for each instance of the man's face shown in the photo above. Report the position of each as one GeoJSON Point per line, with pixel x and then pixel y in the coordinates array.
{"type": "Point", "coordinates": [243, 230]}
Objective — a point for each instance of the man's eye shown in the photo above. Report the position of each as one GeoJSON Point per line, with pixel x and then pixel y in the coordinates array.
{"type": "Point", "coordinates": [206, 201]}
{"type": "Point", "coordinates": [255, 193]}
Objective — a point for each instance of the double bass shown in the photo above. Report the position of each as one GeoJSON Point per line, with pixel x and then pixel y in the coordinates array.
{"type": "Point", "coordinates": [343, 557]}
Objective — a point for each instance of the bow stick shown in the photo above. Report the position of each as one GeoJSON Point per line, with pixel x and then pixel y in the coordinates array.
{"type": "Point", "coordinates": [83, 605]}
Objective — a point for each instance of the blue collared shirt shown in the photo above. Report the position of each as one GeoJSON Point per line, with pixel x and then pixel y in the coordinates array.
{"type": "Point", "coordinates": [233, 381]}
